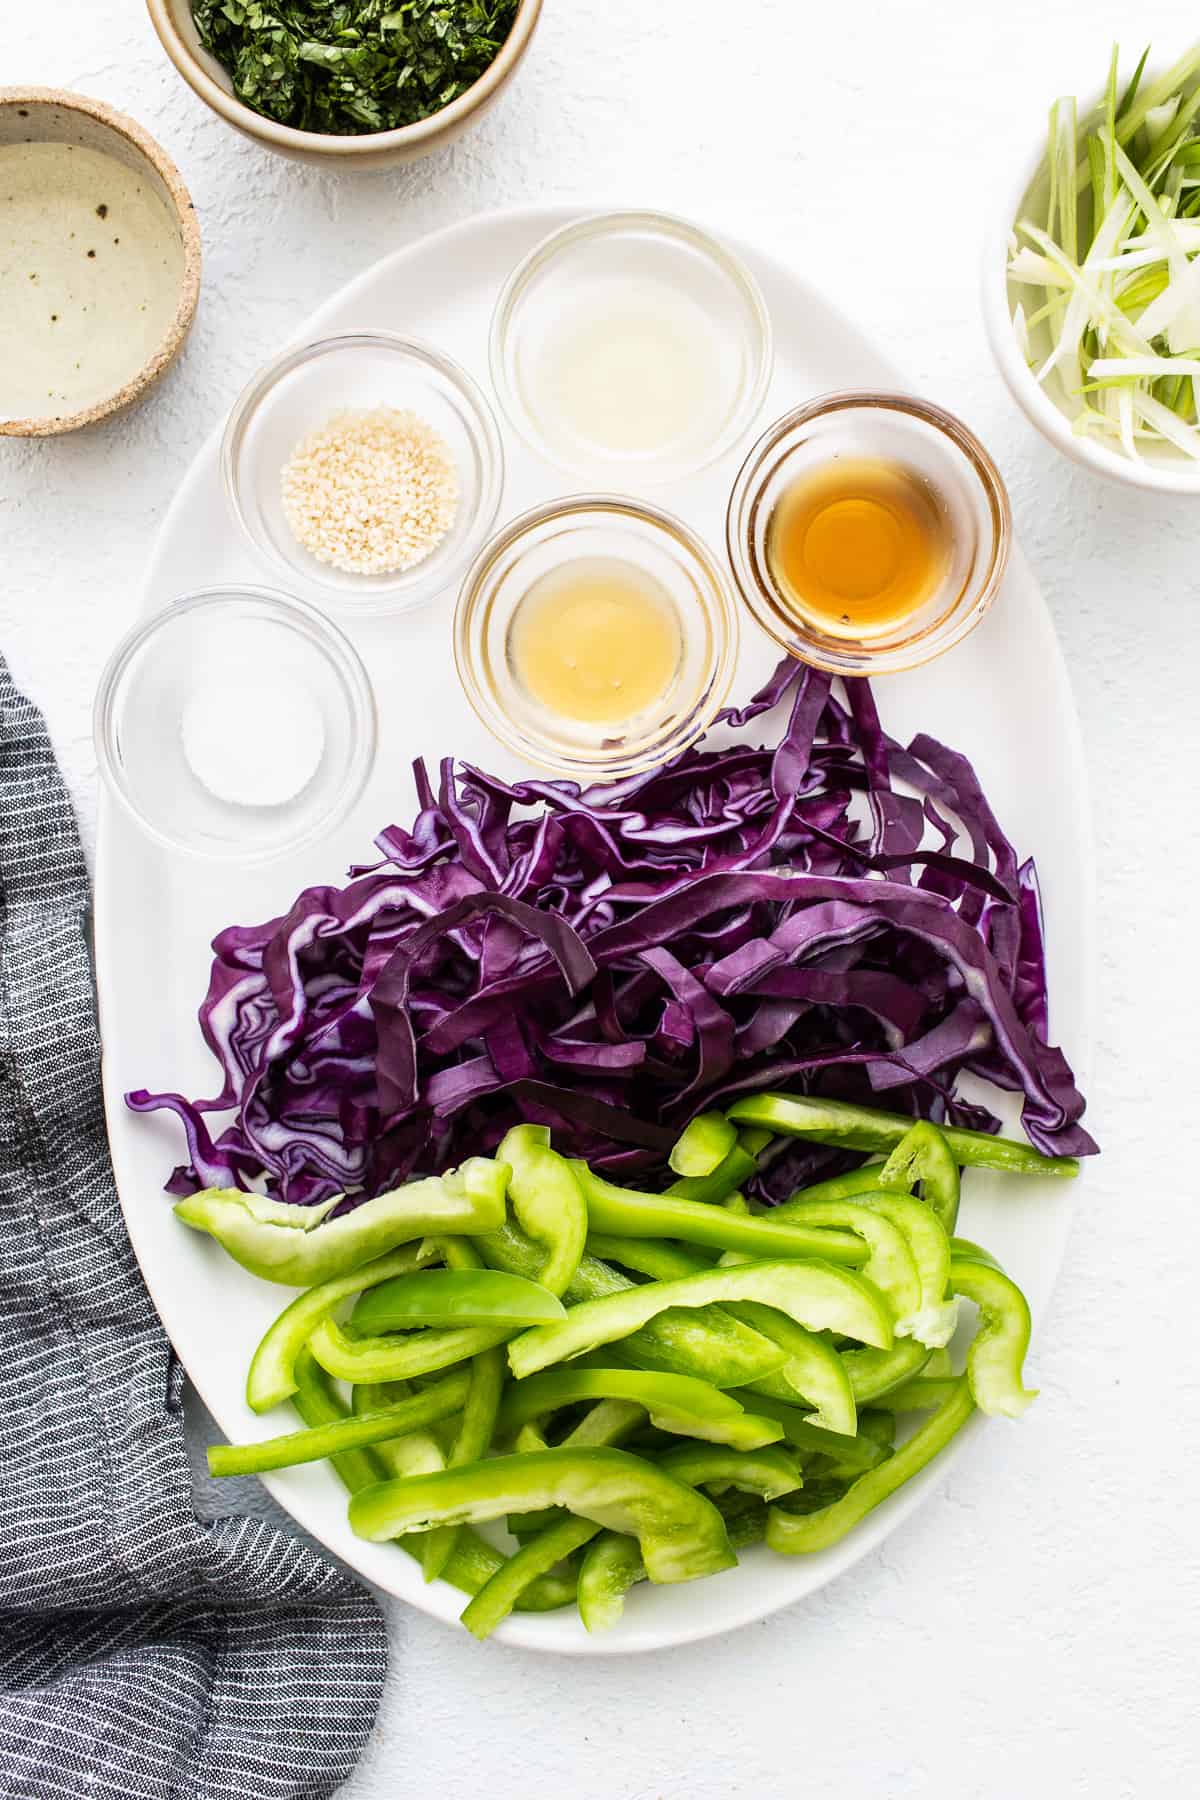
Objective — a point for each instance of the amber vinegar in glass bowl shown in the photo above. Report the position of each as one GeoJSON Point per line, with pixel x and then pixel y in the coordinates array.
{"type": "Point", "coordinates": [868, 532]}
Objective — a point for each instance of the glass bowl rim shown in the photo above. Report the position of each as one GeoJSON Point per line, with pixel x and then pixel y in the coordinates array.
{"type": "Point", "coordinates": [602, 223]}
{"type": "Point", "coordinates": [407, 586]}
{"type": "Point", "coordinates": [751, 580]}
{"type": "Point", "coordinates": [336, 649]}
{"type": "Point", "coordinates": [719, 599]}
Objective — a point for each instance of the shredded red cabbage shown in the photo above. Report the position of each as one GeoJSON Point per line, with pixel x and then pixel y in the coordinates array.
{"type": "Point", "coordinates": [836, 913]}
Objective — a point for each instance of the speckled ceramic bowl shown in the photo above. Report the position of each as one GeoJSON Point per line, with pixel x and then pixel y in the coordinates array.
{"type": "Point", "coordinates": [99, 262]}
{"type": "Point", "coordinates": [172, 20]}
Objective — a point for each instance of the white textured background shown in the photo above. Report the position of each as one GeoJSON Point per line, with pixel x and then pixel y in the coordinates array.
{"type": "Point", "coordinates": [1035, 1631]}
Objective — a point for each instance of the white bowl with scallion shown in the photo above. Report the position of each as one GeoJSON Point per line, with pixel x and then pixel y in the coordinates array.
{"type": "Point", "coordinates": [1092, 283]}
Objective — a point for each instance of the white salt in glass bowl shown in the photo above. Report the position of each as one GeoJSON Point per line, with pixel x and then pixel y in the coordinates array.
{"type": "Point", "coordinates": [236, 724]}
{"type": "Point", "coordinates": [361, 372]}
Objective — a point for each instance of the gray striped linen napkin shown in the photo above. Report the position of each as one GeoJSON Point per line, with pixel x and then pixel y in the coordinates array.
{"type": "Point", "coordinates": [143, 1654]}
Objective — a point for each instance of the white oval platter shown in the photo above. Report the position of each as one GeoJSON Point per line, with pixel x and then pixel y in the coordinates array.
{"type": "Point", "coordinates": [1002, 697]}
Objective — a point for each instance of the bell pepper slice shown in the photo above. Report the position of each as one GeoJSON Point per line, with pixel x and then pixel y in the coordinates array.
{"type": "Point", "coordinates": [997, 1354]}
{"type": "Point", "coordinates": [816, 1295]}
{"type": "Point", "coordinates": [676, 1403]}
{"type": "Point", "coordinates": [613, 1563]}
{"type": "Point", "coordinates": [621, 1566]}
{"type": "Point", "coordinates": [876, 1372]}
{"type": "Point", "coordinates": [923, 1154]}
{"type": "Point", "coordinates": [857, 1452]}
{"type": "Point", "coordinates": [473, 1561]}
{"type": "Point", "coordinates": [862, 1128]}
{"type": "Point", "coordinates": [272, 1374]}
{"type": "Point", "coordinates": [682, 1535]}
{"type": "Point", "coordinates": [418, 1453]}
{"type": "Point", "coordinates": [709, 1190]}
{"type": "Point", "coordinates": [963, 1250]}
{"type": "Point", "coordinates": [318, 1405]}
{"type": "Point", "coordinates": [708, 1344]}
{"type": "Point", "coordinates": [619, 1212]}
{"type": "Point", "coordinates": [933, 1320]}
{"type": "Point", "coordinates": [703, 1145]}
{"type": "Point", "coordinates": [846, 1186]}
{"type": "Point", "coordinates": [920, 1394]}
{"type": "Point", "coordinates": [889, 1264]}
{"type": "Point", "coordinates": [400, 1356]}
{"type": "Point", "coordinates": [473, 1440]}
{"type": "Point", "coordinates": [439, 1401]}
{"type": "Point", "coordinates": [493, 1603]}
{"type": "Point", "coordinates": [608, 1422]}
{"type": "Point", "coordinates": [546, 1201]}
{"type": "Point", "coordinates": [814, 1372]}
{"type": "Point", "coordinates": [769, 1472]}
{"type": "Point", "coordinates": [456, 1297]}
{"type": "Point", "coordinates": [477, 1421]}
{"type": "Point", "coordinates": [794, 1534]}
{"type": "Point", "coordinates": [646, 1256]}
{"type": "Point", "coordinates": [292, 1244]}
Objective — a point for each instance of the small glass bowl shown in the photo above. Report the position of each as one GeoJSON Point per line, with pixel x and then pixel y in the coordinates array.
{"type": "Point", "coordinates": [565, 531]}
{"type": "Point", "coordinates": [361, 372]}
{"type": "Point", "coordinates": [939, 450]}
{"type": "Point", "coordinates": [589, 271]}
{"type": "Point", "coordinates": [236, 723]}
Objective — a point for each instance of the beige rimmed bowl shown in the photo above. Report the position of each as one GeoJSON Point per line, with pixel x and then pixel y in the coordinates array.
{"type": "Point", "coordinates": [172, 20]}
{"type": "Point", "coordinates": [54, 116]}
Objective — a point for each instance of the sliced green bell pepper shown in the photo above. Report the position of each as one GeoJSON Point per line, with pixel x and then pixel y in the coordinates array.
{"type": "Point", "coordinates": [646, 1256]}
{"type": "Point", "coordinates": [473, 1562]}
{"type": "Point", "coordinates": [619, 1212]}
{"type": "Point", "coordinates": [272, 1374]}
{"type": "Point", "coordinates": [440, 1401]}
{"type": "Point", "coordinates": [703, 1145]}
{"type": "Point", "coordinates": [876, 1372]}
{"type": "Point", "coordinates": [456, 1297]}
{"type": "Point", "coordinates": [963, 1250]}
{"type": "Point", "coordinates": [708, 1344]}
{"type": "Point", "coordinates": [419, 1453]}
{"type": "Point", "coordinates": [676, 1403]}
{"type": "Point", "coordinates": [608, 1422]}
{"type": "Point", "coordinates": [997, 1353]}
{"type": "Point", "coordinates": [291, 1244]}
{"type": "Point", "coordinates": [318, 1405]}
{"type": "Point", "coordinates": [862, 1128]}
{"type": "Point", "coordinates": [935, 1317]}
{"type": "Point", "coordinates": [889, 1261]}
{"type": "Point", "coordinates": [476, 1424]}
{"type": "Point", "coordinates": [814, 1372]}
{"type": "Point", "coordinates": [493, 1603]}
{"type": "Point", "coordinates": [682, 1535]}
{"type": "Point", "coordinates": [613, 1563]}
{"type": "Point", "coordinates": [923, 1154]}
{"type": "Point", "coordinates": [401, 1356]}
{"type": "Point", "coordinates": [842, 1187]}
{"type": "Point", "coordinates": [547, 1202]}
{"type": "Point", "coordinates": [730, 1174]}
{"type": "Point", "coordinates": [858, 1452]}
{"type": "Point", "coordinates": [920, 1394]}
{"type": "Point", "coordinates": [816, 1295]}
{"type": "Point", "coordinates": [769, 1472]}
{"type": "Point", "coordinates": [796, 1533]}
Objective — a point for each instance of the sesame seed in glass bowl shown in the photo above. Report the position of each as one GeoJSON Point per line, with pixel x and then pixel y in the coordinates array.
{"type": "Point", "coordinates": [367, 467]}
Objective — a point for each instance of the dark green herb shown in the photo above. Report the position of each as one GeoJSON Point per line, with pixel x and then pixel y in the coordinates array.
{"type": "Point", "coordinates": [351, 66]}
